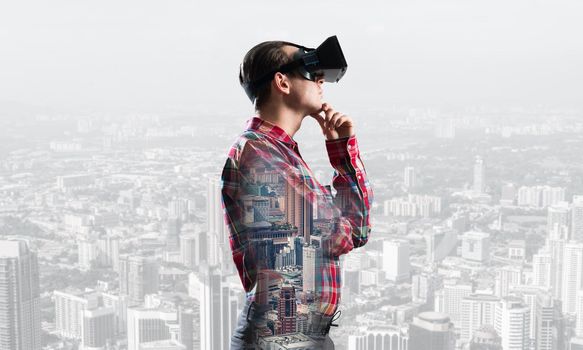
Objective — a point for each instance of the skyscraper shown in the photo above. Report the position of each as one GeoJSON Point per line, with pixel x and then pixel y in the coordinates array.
{"type": "Point", "coordinates": [286, 310]}
{"type": "Point", "coordinates": [396, 263]}
{"type": "Point", "coordinates": [577, 218]}
{"type": "Point", "coordinates": [448, 299]}
{"type": "Point", "coordinates": [572, 275]}
{"type": "Point", "coordinates": [108, 251]}
{"type": "Point", "coordinates": [219, 308]}
{"type": "Point", "coordinates": [476, 310]}
{"type": "Point", "coordinates": [20, 327]}
{"type": "Point", "coordinates": [173, 234]}
{"type": "Point", "coordinates": [542, 268]}
{"type": "Point", "coordinates": [512, 323]}
{"type": "Point", "coordinates": [506, 277]}
{"type": "Point", "coordinates": [309, 259]}
{"type": "Point", "coordinates": [69, 307]}
{"type": "Point", "coordinates": [440, 242]}
{"type": "Point", "coordinates": [423, 287]}
{"type": "Point", "coordinates": [557, 218]}
{"type": "Point", "coordinates": [431, 331]}
{"type": "Point", "coordinates": [549, 323]}
{"type": "Point", "coordinates": [299, 210]}
{"type": "Point", "coordinates": [138, 276]}
{"type": "Point", "coordinates": [97, 328]}
{"type": "Point", "coordinates": [479, 175]}
{"type": "Point", "coordinates": [189, 251]}
{"type": "Point", "coordinates": [217, 236]}
{"type": "Point", "coordinates": [409, 177]}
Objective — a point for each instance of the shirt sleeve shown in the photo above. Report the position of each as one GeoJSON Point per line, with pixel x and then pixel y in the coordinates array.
{"type": "Point", "coordinates": [242, 250]}
{"type": "Point", "coordinates": [354, 194]}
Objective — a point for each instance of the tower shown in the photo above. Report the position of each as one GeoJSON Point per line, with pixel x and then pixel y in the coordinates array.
{"type": "Point", "coordinates": [479, 175]}
{"type": "Point", "coordinates": [286, 310]}
{"type": "Point", "coordinates": [20, 327]}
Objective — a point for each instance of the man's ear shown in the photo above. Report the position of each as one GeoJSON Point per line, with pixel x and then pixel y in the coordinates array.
{"type": "Point", "coordinates": [281, 83]}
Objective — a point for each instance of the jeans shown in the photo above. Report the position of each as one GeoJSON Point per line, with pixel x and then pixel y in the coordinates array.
{"type": "Point", "coordinates": [244, 336]}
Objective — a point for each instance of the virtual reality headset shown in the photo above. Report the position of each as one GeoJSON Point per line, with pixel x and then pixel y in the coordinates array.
{"type": "Point", "coordinates": [326, 61]}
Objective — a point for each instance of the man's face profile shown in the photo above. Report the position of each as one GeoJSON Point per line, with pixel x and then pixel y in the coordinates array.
{"type": "Point", "coordinates": [304, 94]}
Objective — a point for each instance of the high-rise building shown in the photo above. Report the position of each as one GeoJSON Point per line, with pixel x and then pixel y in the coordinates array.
{"type": "Point", "coordinates": [556, 247]}
{"type": "Point", "coordinates": [286, 310]}
{"type": "Point", "coordinates": [572, 275]}
{"type": "Point", "coordinates": [557, 218]}
{"type": "Point", "coordinates": [512, 323]}
{"type": "Point", "coordinates": [449, 298]}
{"type": "Point", "coordinates": [441, 242]}
{"type": "Point", "coordinates": [119, 303]}
{"type": "Point", "coordinates": [396, 263]}
{"type": "Point", "coordinates": [97, 328]}
{"type": "Point", "coordinates": [577, 218]}
{"type": "Point", "coordinates": [173, 234]}
{"type": "Point", "coordinates": [409, 177]}
{"type": "Point", "coordinates": [506, 277]}
{"type": "Point", "coordinates": [542, 268]}
{"type": "Point", "coordinates": [309, 271]}
{"type": "Point", "coordinates": [217, 235]}
{"type": "Point", "coordinates": [108, 251]}
{"type": "Point", "coordinates": [423, 287]}
{"type": "Point", "coordinates": [138, 276]}
{"type": "Point", "coordinates": [476, 246]}
{"type": "Point", "coordinates": [431, 331]}
{"type": "Point", "coordinates": [179, 208]}
{"type": "Point", "coordinates": [299, 210]}
{"type": "Point", "coordinates": [508, 195]}
{"type": "Point", "coordinates": [476, 310]}
{"type": "Point", "coordinates": [87, 253]}
{"type": "Point", "coordinates": [69, 307]}
{"type": "Point", "coordinates": [189, 251]}
{"type": "Point", "coordinates": [479, 175]}
{"type": "Point", "coordinates": [20, 327]}
{"type": "Point", "coordinates": [549, 323]}
{"type": "Point", "coordinates": [219, 308]}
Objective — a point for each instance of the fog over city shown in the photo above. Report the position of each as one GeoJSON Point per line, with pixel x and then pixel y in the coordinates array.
{"type": "Point", "coordinates": [116, 119]}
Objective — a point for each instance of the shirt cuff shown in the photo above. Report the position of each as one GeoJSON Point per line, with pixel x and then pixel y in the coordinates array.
{"type": "Point", "coordinates": [341, 151]}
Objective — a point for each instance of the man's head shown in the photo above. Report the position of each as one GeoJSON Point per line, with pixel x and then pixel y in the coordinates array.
{"type": "Point", "coordinates": [290, 88]}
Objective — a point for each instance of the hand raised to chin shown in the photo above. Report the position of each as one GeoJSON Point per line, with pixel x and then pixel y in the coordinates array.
{"type": "Point", "coordinates": [334, 124]}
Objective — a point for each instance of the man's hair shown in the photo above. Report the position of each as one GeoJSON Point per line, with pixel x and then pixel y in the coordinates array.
{"type": "Point", "coordinates": [261, 59]}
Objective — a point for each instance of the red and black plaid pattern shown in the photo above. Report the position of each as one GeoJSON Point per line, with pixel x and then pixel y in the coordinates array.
{"type": "Point", "coordinates": [263, 147]}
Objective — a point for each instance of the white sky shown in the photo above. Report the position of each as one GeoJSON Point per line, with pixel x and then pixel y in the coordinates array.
{"type": "Point", "coordinates": [108, 55]}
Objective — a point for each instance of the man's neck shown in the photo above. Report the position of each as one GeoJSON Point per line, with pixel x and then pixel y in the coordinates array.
{"type": "Point", "coordinates": [285, 118]}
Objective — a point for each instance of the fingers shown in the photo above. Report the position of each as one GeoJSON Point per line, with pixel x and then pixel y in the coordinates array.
{"type": "Point", "coordinates": [341, 120]}
{"type": "Point", "coordinates": [331, 124]}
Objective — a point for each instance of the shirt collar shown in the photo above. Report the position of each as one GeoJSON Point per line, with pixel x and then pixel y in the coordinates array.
{"type": "Point", "coordinates": [263, 126]}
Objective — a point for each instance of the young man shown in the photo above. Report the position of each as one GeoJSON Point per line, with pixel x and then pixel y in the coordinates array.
{"type": "Point", "coordinates": [287, 259]}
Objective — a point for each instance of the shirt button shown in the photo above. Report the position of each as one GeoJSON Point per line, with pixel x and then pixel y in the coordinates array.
{"type": "Point", "coordinates": [349, 147]}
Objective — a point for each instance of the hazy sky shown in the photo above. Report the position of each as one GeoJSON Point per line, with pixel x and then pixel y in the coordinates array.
{"type": "Point", "coordinates": [109, 55]}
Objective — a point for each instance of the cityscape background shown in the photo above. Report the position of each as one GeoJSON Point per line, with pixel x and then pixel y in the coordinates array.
{"type": "Point", "coordinates": [115, 120]}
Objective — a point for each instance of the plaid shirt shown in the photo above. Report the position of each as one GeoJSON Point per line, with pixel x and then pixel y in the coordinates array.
{"type": "Point", "coordinates": [344, 219]}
